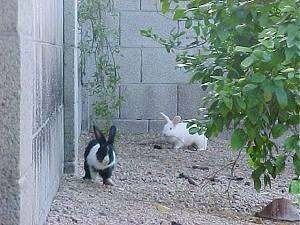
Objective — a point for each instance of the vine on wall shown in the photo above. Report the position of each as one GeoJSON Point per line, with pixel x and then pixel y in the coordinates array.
{"type": "Point", "coordinates": [99, 46]}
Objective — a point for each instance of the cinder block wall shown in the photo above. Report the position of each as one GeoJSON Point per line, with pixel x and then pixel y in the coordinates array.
{"type": "Point", "coordinates": [150, 83]}
{"type": "Point", "coordinates": [31, 108]}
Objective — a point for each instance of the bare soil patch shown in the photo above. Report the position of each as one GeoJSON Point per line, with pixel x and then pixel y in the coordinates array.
{"type": "Point", "coordinates": [161, 186]}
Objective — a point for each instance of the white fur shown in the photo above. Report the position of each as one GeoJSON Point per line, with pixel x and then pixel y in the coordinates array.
{"type": "Point", "coordinates": [93, 161]}
{"type": "Point", "coordinates": [177, 133]}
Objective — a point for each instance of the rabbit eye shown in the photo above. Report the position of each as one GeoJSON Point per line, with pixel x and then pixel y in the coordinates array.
{"type": "Point", "coordinates": [170, 128]}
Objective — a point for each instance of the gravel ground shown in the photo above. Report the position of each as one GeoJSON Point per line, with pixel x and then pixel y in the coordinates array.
{"type": "Point", "coordinates": [148, 190]}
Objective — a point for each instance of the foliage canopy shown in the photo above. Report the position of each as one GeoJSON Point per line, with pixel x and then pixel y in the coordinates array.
{"type": "Point", "coordinates": [248, 53]}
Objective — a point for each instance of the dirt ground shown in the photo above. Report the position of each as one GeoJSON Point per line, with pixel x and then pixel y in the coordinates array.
{"type": "Point", "coordinates": [149, 189]}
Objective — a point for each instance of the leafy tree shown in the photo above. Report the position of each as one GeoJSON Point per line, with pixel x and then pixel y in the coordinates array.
{"type": "Point", "coordinates": [248, 53]}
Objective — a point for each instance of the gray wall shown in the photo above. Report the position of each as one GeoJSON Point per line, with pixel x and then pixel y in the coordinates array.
{"type": "Point", "coordinates": [150, 83]}
{"type": "Point", "coordinates": [31, 112]}
{"type": "Point", "coordinates": [72, 87]}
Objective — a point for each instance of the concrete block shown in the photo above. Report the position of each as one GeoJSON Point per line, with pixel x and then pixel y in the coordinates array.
{"type": "Point", "coordinates": [85, 109]}
{"type": "Point", "coordinates": [70, 22]}
{"type": "Point", "coordinates": [159, 67]}
{"type": "Point", "coordinates": [150, 5]}
{"type": "Point", "coordinates": [156, 126]}
{"type": "Point", "coordinates": [112, 21]}
{"type": "Point", "coordinates": [132, 126]}
{"type": "Point", "coordinates": [26, 197]}
{"type": "Point", "coordinates": [56, 155]}
{"type": "Point", "coordinates": [190, 100]}
{"type": "Point", "coordinates": [132, 22]}
{"type": "Point", "coordinates": [71, 129]}
{"type": "Point", "coordinates": [46, 80]}
{"type": "Point", "coordinates": [44, 12]}
{"type": "Point", "coordinates": [37, 20]}
{"type": "Point", "coordinates": [147, 101]}
{"type": "Point", "coordinates": [9, 16]}
{"type": "Point", "coordinates": [71, 84]}
{"type": "Point", "coordinates": [131, 5]}
{"type": "Point", "coordinates": [25, 18]}
{"type": "Point", "coordinates": [51, 79]}
{"type": "Point", "coordinates": [9, 119]}
{"type": "Point", "coordinates": [26, 102]}
{"type": "Point", "coordinates": [130, 61]}
{"type": "Point", "coordinates": [60, 21]}
{"type": "Point", "coordinates": [49, 24]}
{"type": "Point", "coordinates": [59, 76]}
{"type": "Point", "coordinates": [90, 68]}
{"type": "Point", "coordinates": [37, 91]}
{"type": "Point", "coordinates": [57, 133]}
{"type": "Point", "coordinates": [155, 5]}
{"type": "Point", "coordinates": [127, 126]}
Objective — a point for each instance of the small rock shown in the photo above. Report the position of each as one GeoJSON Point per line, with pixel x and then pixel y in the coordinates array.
{"type": "Point", "coordinates": [200, 167]}
{"type": "Point", "coordinates": [247, 183]}
{"type": "Point", "coordinates": [280, 209]}
{"type": "Point", "coordinates": [157, 147]}
{"type": "Point", "coordinates": [175, 223]}
{"type": "Point", "coordinates": [235, 196]}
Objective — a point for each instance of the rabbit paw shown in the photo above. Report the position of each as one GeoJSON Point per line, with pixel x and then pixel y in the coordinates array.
{"type": "Point", "coordinates": [108, 182]}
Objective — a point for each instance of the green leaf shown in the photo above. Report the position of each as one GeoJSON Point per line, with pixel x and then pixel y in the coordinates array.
{"type": "Point", "coordinates": [249, 87]}
{"type": "Point", "coordinates": [165, 6]}
{"type": "Point", "coordinates": [179, 14]}
{"type": "Point", "coordinates": [281, 97]}
{"type": "Point", "coordinates": [228, 102]}
{"type": "Point", "coordinates": [294, 187]}
{"type": "Point", "coordinates": [278, 130]}
{"type": "Point", "coordinates": [288, 70]}
{"type": "Point", "coordinates": [279, 77]}
{"type": "Point", "coordinates": [256, 177]}
{"type": "Point", "coordinates": [257, 184]}
{"type": "Point", "coordinates": [194, 130]}
{"type": "Point", "coordinates": [258, 78]}
{"type": "Point", "coordinates": [294, 120]}
{"type": "Point", "coordinates": [238, 139]}
{"type": "Point", "coordinates": [296, 162]}
{"type": "Point", "coordinates": [270, 168]}
{"type": "Point", "coordinates": [242, 49]}
{"type": "Point", "coordinates": [247, 62]}
{"type": "Point", "coordinates": [292, 142]}
{"type": "Point", "coordinates": [252, 132]}
{"type": "Point", "coordinates": [268, 43]}
{"type": "Point", "coordinates": [252, 115]}
{"type": "Point", "coordinates": [188, 24]}
{"type": "Point", "coordinates": [258, 172]}
{"type": "Point", "coordinates": [280, 163]}
{"type": "Point", "coordinates": [146, 33]}
{"type": "Point", "coordinates": [241, 103]}
{"type": "Point", "coordinates": [268, 96]}
{"type": "Point", "coordinates": [253, 99]}
{"type": "Point", "coordinates": [268, 85]}
{"type": "Point", "coordinates": [267, 180]}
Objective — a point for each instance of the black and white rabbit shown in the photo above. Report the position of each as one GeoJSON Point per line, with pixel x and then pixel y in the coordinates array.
{"type": "Point", "coordinates": [99, 156]}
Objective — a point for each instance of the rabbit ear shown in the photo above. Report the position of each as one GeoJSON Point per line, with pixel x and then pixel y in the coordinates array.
{"type": "Point", "coordinates": [98, 135]}
{"type": "Point", "coordinates": [176, 120]}
{"type": "Point", "coordinates": [112, 134]}
{"type": "Point", "coordinates": [166, 117]}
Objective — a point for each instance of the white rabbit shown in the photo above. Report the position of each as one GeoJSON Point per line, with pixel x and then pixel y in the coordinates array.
{"type": "Point", "coordinates": [176, 133]}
